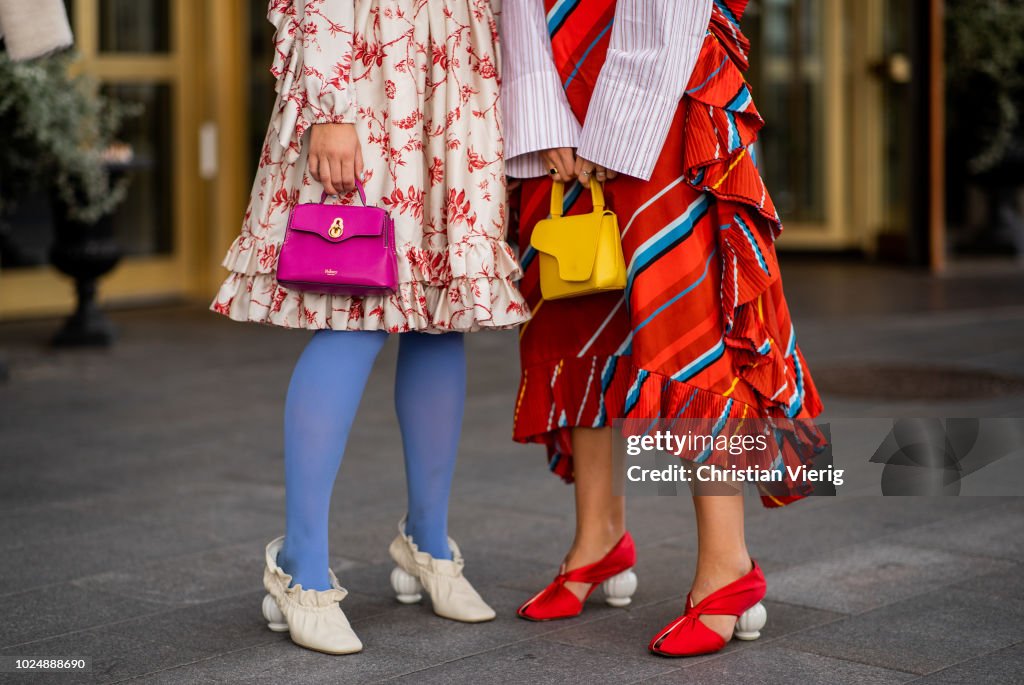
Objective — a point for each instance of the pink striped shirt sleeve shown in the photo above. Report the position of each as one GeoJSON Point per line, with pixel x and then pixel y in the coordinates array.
{"type": "Point", "coordinates": [653, 51]}
{"type": "Point", "coordinates": [537, 115]}
{"type": "Point", "coordinates": [654, 48]}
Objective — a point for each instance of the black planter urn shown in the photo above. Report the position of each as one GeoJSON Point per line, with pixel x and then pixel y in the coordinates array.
{"type": "Point", "coordinates": [85, 252]}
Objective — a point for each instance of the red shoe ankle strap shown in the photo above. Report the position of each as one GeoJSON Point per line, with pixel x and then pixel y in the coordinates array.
{"type": "Point", "coordinates": [732, 599]}
{"type": "Point", "coordinates": [606, 567]}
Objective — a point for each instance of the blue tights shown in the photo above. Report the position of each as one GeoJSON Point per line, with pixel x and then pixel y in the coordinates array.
{"type": "Point", "coordinates": [324, 393]}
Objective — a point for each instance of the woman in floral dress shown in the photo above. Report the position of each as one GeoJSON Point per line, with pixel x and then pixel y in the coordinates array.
{"type": "Point", "coordinates": [402, 94]}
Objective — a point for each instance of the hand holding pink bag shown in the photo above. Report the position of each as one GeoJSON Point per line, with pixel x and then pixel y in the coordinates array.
{"type": "Point", "coordinates": [339, 249]}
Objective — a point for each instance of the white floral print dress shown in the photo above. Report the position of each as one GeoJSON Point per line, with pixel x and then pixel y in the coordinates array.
{"type": "Point", "coordinates": [419, 78]}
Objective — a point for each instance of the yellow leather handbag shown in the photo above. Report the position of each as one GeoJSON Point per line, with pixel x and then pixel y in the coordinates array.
{"type": "Point", "coordinates": [579, 254]}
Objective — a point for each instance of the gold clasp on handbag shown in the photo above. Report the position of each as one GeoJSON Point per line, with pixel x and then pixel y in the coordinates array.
{"type": "Point", "coordinates": [337, 228]}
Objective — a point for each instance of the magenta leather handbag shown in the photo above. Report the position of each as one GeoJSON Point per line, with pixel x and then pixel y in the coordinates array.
{"type": "Point", "coordinates": [339, 249]}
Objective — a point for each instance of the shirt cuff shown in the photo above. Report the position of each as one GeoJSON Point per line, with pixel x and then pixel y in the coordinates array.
{"type": "Point", "coordinates": [537, 117]}
{"type": "Point", "coordinates": [529, 165]}
{"type": "Point", "coordinates": [626, 128]}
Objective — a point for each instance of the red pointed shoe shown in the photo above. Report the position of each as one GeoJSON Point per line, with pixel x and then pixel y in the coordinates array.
{"type": "Point", "coordinates": [687, 636]}
{"type": "Point", "coordinates": [613, 570]}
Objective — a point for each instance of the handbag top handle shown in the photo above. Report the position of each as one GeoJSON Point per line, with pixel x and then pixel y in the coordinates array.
{"type": "Point", "coordinates": [558, 193]}
{"type": "Point", "coordinates": [359, 187]}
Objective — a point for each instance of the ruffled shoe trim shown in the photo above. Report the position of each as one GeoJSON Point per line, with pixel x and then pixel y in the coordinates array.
{"type": "Point", "coordinates": [407, 554]}
{"type": "Point", "coordinates": [450, 592]}
{"type": "Point", "coordinates": [279, 583]}
{"type": "Point", "coordinates": [314, 618]}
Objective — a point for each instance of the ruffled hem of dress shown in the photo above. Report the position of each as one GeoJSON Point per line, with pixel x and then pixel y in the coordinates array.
{"type": "Point", "coordinates": [463, 305]}
{"type": "Point", "coordinates": [594, 391]}
{"type": "Point", "coordinates": [476, 256]}
{"type": "Point", "coordinates": [722, 127]}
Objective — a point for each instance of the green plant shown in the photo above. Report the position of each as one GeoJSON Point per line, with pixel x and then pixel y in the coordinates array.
{"type": "Point", "coordinates": [985, 78]}
{"type": "Point", "coordinates": [54, 131]}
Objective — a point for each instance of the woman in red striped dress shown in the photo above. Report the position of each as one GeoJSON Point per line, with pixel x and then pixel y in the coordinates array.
{"type": "Point", "coordinates": [649, 97]}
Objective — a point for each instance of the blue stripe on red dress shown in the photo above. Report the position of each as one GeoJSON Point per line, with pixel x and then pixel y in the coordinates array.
{"type": "Point", "coordinates": [702, 329]}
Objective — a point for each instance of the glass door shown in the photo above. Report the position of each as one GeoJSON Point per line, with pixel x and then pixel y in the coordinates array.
{"type": "Point", "coordinates": [144, 52]}
{"type": "Point", "coordinates": [796, 73]}
{"type": "Point", "coordinates": [831, 81]}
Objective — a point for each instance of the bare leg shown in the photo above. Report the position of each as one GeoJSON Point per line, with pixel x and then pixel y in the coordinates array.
{"type": "Point", "coordinates": [722, 555]}
{"type": "Point", "coordinates": [600, 515]}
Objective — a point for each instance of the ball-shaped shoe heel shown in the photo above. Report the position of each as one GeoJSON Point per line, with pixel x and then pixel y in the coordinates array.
{"type": "Point", "coordinates": [407, 587]}
{"type": "Point", "coordinates": [619, 589]}
{"type": "Point", "coordinates": [750, 623]}
{"type": "Point", "coordinates": [275, 619]}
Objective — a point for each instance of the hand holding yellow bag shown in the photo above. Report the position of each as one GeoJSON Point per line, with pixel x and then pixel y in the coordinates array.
{"type": "Point", "coordinates": [579, 254]}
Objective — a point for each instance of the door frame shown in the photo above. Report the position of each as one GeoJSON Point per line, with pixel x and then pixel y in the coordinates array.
{"type": "Point", "coordinates": [43, 290]}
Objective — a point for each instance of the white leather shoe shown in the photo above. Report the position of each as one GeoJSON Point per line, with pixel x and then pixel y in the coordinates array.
{"type": "Point", "coordinates": [450, 593]}
{"type": "Point", "coordinates": [312, 618]}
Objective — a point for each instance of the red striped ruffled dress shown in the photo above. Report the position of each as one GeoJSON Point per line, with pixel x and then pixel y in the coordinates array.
{"type": "Point", "coordinates": [702, 329]}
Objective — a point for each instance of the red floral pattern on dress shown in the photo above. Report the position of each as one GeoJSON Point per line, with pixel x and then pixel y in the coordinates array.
{"type": "Point", "coordinates": [420, 81]}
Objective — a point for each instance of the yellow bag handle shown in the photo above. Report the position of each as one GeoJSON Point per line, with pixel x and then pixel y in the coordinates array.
{"type": "Point", "coordinates": [558, 196]}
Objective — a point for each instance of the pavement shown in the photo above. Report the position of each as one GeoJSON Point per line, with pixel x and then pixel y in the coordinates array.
{"type": "Point", "coordinates": [139, 485]}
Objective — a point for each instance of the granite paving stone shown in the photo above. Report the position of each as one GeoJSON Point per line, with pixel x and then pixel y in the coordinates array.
{"type": "Point", "coordinates": [997, 532]}
{"type": "Point", "coordinates": [61, 608]}
{"type": "Point", "coordinates": [860, 577]}
{"type": "Point", "coordinates": [114, 657]}
{"type": "Point", "coordinates": [1003, 667]}
{"type": "Point", "coordinates": [921, 634]}
{"type": "Point", "coordinates": [772, 665]}
{"type": "Point", "coordinates": [1008, 584]}
{"type": "Point", "coordinates": [778, 536]}
{"type": "Point", "coordinates": [139, 486]}
{"type": "Point", "coordinates": [536, 661]}
{"type": "Point", "coordinates": [214, 627]}
{"type": "Point", "coordinates": [195, 578]}
{"type": "Point", "coordinates": [281, 662]}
